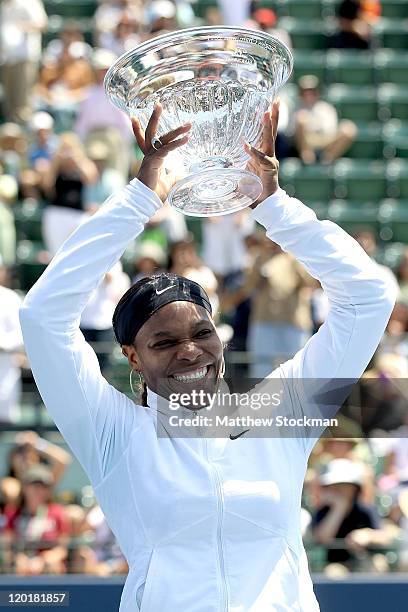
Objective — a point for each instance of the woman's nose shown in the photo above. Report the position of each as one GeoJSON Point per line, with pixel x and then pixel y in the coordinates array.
{"type": "Point", "coordinates": [188, 350]}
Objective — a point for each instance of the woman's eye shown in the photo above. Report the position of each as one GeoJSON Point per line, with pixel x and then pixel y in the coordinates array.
{"type": "Point", "coordinates": [203, 333]}
{"type": "Point", "coordinates": [165, 344]}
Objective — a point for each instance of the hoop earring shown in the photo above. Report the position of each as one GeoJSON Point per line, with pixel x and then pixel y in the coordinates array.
{"type": "Point", "coordinates": [140, 382]}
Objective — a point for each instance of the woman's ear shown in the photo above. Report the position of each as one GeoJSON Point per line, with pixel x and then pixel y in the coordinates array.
{"type": "Point", "coordinates": [129, 351]}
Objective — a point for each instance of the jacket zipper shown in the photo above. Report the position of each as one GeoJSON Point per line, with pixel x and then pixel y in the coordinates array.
{"type": "Point", "coordinates": [220, 504]}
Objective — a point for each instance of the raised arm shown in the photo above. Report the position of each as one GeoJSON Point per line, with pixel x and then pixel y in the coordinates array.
{"type": "Point", "coordinates": [95, 419]}
{"type": "Point", "coordinates": [361, 296]}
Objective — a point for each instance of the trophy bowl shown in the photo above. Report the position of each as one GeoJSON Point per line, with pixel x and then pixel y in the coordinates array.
{"type": "Point", "coordinates": [222, 80]}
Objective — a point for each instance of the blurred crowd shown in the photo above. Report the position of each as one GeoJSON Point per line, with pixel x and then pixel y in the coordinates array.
{"type": "Point", "coordinates": [64, 149]}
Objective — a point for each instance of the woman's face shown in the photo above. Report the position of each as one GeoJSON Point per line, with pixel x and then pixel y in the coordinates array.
{"type": "Point", "coordinates": [36, 494]}
{"type": "Point", "coordinates": [177, 350]}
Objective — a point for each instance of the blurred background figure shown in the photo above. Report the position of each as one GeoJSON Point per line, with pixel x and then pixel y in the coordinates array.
{"type": "Point", "coordinates": [8, 196]}
{"type": "Point", "coordinates": [108, 180]}
{"type": "Point", "coordinates": [266, 19]}
{"type": "Point", "coordinates": [184, 261]}
{"type": "Point", "coordinates": [11, 343]}
{"type": "Point", "coordinates": [21, 25]}
{"type": "Point", "coordinates": [64, 184]}
{"type": "Point", "coordinates": [37, 526]}
{"type": "Point", "coordinates": [280, 322]}
{"type": "Point", "coordinates": [341, 513]}
{"type": "Point", "coordinates": [96, 319]}
{"type": "Point", "coordinates": [353, 26]}
{"type": "Point", "coordinates": [235, 12]}
{"type": "Point", "coordinates": [150, 258]}
{"type": "Point", "coordinates": [98, 120]}
{"type": "Point", "coordinates": [319, 135]}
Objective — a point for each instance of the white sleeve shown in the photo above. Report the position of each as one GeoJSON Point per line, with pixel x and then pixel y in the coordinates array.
{"type": "Point", "coordinates": [95, 418]}
{"type": "Point", "coordinates": [361, 295]}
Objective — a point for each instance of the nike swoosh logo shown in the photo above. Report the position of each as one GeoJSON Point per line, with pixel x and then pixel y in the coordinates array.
{"type": "Point", "coordinates": [237, 436]}
{"type": "Point", "coordinates": [163, 290]}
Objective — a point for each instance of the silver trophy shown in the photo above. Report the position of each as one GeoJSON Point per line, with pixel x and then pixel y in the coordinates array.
{"type": "Point", "coordinates": [220, 79]}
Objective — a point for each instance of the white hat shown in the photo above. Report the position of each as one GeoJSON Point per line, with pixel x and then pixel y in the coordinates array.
{"type": "Point", "coordinates": [41, 121]}
{"type": "Point", "coordinates": [102, 59]}
{"type": "Point", "coordinates": [339, 471]}
{"type": "Point", "coordinates": [8, 187]}
{"type": "Point", "coordinates": [161, 9]}
{"type": "Point", "coordinates": [151, 250]}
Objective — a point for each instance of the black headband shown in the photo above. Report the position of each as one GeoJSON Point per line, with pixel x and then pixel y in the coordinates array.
{"type": "Point", "coordinates": [149, 294]}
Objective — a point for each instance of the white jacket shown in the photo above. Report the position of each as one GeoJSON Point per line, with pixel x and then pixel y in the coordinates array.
{"type": "Point", "coordinates": [206, 525]}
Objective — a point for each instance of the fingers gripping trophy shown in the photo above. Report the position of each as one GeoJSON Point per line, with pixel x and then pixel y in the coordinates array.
{"type": "Point", "coordinates": [210, 90]}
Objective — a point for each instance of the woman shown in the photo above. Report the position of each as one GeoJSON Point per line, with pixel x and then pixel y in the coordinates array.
{"type": "Point", "coordinates": [206, 525]}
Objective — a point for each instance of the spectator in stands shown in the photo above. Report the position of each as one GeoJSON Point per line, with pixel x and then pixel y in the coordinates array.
{"type": "Point", "coordinates": [353, 28]}
{"type": "Point", "coordinates": [161, 17]}
{"type": "Point", "coordinates": [63, 84]}
{"type": "Point", "coordinates": [8, 195]}
{"type": "Point", "coordinates": [184, 261]}
{"type": "Point", "coordinates": [13, 149]}
{"type": "Point", "coordinates": [11, 342]}
{"type": "Point", "coordinates": [280, 320]}
{"type": "Point", "coordinates": [30, 449]}
{"type": "Point", "coordinates": [150, 258]}
{"type": "Point", "coordinates": [235, 12]}
{"type": "Point", "coordinates": [109, 179]}
{"type": "Point", "coordinates": [109, 13]}
{"type": "Point", "coordinates": [99, 120]}
{"type": "Point", "coordinates": [319, 135]}
{"type": "Point", "coordinates": [341, 512]}
{"type": "Point", "coordinates": [266, 20]}
{"type": "Point", "coordinates": [70, 171]}
{"type": "Point", "coordinates": [96, 319]}
{"type": "Point", "coordinates": [125, 36]}
{"type": "Point", "coordinates": [224, 249]}
{"type": "Point", "coordinates": [71, 33]}
{"type": "Point", "coordinates": [44, 141]}
{"type": "Point", "coordinates": [105, 558]}
{"type": "Point", "coordinates": [38, 525]}
{"type": "Point", "coordinates": [21, 24]}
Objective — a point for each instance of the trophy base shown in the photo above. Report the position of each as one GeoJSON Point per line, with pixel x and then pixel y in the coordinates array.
{"type": "Point", "coordinates": [215, 192]}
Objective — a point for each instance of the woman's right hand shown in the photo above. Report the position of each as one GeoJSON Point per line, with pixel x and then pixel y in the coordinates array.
{"type": "Point", "coordinates": [151, 171]}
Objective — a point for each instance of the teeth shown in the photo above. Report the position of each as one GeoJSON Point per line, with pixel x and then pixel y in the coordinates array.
{"type": "Point", "coordinates": [192, 376]}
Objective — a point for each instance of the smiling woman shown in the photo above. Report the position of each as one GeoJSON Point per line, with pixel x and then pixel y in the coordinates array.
{"type": "Point", "coordinates": [165, 328]}
{"type": "Point", "coordinates": [207, 524]}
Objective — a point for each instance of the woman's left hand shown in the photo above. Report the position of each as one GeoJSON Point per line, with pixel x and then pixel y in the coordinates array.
{"type": "Point", "coordinates": [263, 162]}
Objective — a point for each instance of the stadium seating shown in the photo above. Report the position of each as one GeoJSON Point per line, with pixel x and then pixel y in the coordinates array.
{"type": "Point", "coordinates": [397, 174]}
{"type": "Point", "coordinates": [354, 102]}
{"type": "Point", "coordinates": [368, 143]}
{"type": "Point", "coordinates": [353, 215]}
{"type": "Point", "coordinates": [350, 67]}
{"type": "Point", "coordinates": [28, 219]}
{"type": "Point", "coordinates": [308, 183]}
{"type": "Point", "coordinates": [310, 62]}
{"type": "Point", "coordinates": [393, 101]}
{"type": "Point", "coordinates": [393, 215]}
{"type": "Point", "coordinates": [395, 135]}
{"type": "Point", "coordinates": [29, 266]}
{"type": "Point", "coordinates": [394, 9]}
{"type": "Point", "coordinates": [391, 66]}
{"type": "Point", "coordinates": [391, 33]}
{"type": "Point", "coordinates": [72, 8]}
{"type": "Point", "coordinates": [306, 34]}
{"type": "Point", "coordinates": [360, 180]}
